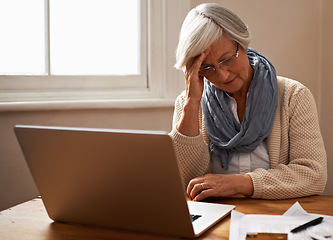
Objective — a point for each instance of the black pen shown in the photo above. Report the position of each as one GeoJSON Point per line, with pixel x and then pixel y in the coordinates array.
{"type": "Point", "coordinates": [308, 224]}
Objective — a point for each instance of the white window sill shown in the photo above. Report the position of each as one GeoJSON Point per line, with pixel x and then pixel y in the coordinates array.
{"type": "Point", "coordinates": [85, 104]}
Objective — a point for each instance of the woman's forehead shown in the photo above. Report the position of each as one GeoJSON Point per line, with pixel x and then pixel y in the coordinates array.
{"type": "Point", "coordinates": [219, 50]}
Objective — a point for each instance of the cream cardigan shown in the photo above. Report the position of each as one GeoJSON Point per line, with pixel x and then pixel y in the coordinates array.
{"type": "Point", "coordinates": [296, 149]}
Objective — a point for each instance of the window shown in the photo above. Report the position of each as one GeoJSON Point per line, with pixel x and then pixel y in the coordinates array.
{"type": "Point", "coordinates": [88, 49]}
{"type": "Point", "coordinates": [96, 37]}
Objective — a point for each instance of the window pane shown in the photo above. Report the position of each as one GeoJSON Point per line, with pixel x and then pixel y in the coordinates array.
{"type": "Point", "coordinates": [22, 41]}
{"type": "Point", "coordinates": [95, 37]}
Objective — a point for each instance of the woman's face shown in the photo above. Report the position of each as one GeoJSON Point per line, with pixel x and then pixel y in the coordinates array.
{"type": "Point", "coordinates": [235, 79]}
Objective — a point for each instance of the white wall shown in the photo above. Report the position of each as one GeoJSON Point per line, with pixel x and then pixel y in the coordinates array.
{"type": "Point", "coordinates": [326, 95]}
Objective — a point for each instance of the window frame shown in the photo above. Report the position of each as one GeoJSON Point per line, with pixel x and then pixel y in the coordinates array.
{"type": "Point", "coordinates": [162, 81]}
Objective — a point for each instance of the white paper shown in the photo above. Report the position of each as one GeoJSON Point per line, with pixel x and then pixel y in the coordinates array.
{"type": "Point", "coordinates": [295, 210]}
{"type": "Point", "coordinates": [241, 224]}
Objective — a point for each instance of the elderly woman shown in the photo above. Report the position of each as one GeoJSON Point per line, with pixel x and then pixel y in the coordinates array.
{"type": "Point", "coordinates": [238, 128]}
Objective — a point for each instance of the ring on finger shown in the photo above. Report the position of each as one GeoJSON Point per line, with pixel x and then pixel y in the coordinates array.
{"type": "Point", "coordinates": [202, 186]}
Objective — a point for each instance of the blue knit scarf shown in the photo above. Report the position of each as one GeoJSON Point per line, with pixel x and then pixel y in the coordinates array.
{"type": "Point", "coordinates": [226, 134]}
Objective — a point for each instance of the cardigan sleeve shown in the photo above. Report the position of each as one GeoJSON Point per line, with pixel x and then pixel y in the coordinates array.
{"type": "Point", "coordinates": [301, 169]}
{"type": "Point", "coordinates": [192, 152]}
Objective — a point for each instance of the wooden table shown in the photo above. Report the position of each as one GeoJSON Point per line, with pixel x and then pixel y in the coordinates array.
{"type": "Point", "coordinates": [29, 221]}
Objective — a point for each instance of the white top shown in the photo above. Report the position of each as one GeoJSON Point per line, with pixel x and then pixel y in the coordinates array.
{"type": "Point", "coordinates": [242, 163]}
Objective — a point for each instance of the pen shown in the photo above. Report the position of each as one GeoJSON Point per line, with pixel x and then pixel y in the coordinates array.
{"type": "Point", "coordinates": [308, 224]}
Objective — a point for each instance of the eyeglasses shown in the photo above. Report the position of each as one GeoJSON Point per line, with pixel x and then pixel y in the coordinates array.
{"type": "Point", "coordinates": [225, 64]}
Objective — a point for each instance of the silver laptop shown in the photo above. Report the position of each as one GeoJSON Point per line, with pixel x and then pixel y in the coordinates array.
{"type": "Point", "coordinates": [121, 179]}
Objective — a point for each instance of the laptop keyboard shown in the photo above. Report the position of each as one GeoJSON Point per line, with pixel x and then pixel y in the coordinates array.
{"type": "Point", "coordinates": [194, 217]}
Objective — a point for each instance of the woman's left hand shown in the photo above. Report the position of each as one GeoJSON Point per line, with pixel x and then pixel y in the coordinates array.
{"type": "Point", "coordinates": [219, 185]}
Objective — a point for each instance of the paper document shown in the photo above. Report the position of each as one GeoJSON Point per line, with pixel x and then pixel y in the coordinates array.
{"type": "Point", "coordinates": [241, 224]}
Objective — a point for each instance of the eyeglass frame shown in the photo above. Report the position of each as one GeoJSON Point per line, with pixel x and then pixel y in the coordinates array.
{"type": "Point", "coordinates": [220, 64]}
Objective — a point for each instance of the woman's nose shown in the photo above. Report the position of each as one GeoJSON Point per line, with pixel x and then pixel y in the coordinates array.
{"type": "Point", "coordinates": [222, 74]}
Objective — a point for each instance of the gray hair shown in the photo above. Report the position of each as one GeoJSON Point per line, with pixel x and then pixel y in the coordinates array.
{"type": "Point", "coordinates": [203, 26]}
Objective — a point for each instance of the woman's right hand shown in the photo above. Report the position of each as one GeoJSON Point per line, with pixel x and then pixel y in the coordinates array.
{"type": "Point", "coordinates": [193, 81]}
{"type": "Point", "coordinates": [189, 122]}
